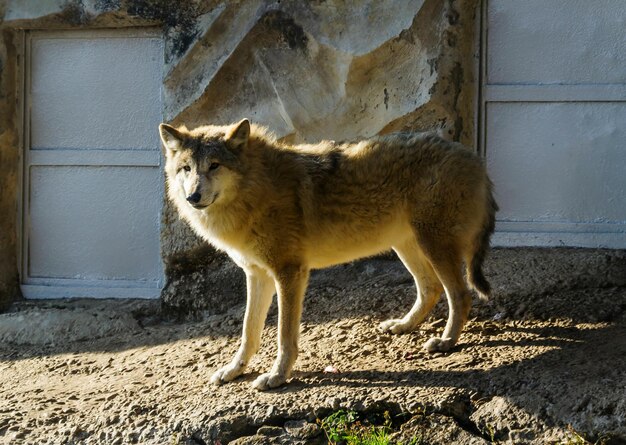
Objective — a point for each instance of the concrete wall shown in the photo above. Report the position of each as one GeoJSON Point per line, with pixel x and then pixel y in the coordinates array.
{"type": "Point", "coordinates": [308, 70]}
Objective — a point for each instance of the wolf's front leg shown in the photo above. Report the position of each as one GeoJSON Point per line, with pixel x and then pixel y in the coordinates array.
{"type": "Point", "coordinates": [260, 288]}
{"type": "Point", "coordinates": [291, 284]}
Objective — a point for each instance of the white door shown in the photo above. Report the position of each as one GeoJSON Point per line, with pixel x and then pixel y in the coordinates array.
{"type": "Point", "coordinates": [92, 183]}
{"type": "Point", "coordinates": [554, 120]}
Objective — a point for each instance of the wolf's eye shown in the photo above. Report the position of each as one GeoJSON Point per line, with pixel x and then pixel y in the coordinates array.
{"type": "Point", "coordinates": [186, 168]}
{"type": "Point", "coordinates": [213, 166]}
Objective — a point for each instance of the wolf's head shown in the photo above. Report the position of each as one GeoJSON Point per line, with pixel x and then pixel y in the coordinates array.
{"type": "Point", "coordinates": [203, 165]}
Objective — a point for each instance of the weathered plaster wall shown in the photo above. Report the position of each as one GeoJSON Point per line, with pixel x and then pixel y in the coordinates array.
{"type": "Point", "coordinates": [9, 155]}
{"type": "Point", "coordinates": [308, 70]}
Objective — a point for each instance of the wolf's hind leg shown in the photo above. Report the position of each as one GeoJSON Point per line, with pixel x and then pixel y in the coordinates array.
{"type": "Point", "coordinates": [260, 289]}
{"type": "Point", "coordinates": [447, 265]}
{"type": "Point", "coordinates": [291, 284]}
{"type": "Point", "coordinates": [428, 288]}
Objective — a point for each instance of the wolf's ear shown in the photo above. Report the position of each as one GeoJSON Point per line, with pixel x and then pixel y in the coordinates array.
{"type": "Point", "coordinates": [171, 137]}
{"type": "Point", "coordinates": [238, 137]}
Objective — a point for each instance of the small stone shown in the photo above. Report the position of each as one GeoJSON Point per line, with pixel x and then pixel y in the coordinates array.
{"type": "Point", "coordinates": [358, 405]}
{"type": "Point", "coordinates": [132, 437]}
{"type": "Point", "coordinates": [17, 435]}
{"type": "Point", "coordinates": [301, 429]}
{"type": "Point", "coordinates": [271, 410]}
{"type": "Point", "coordinates": [140, 422]}
{"type": "Point", "coordinates": [112, 419]}
{"type": "Point", "coordinates": [334, 403]}
{"type": "Point", "coordinates": [499, 316]}
{"type": "Point", "coordinates": [271, 431]}
{"type": "Point", "coordinates": [76, 430]}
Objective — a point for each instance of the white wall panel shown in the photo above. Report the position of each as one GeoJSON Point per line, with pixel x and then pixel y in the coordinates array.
{"type": "Point", "coordinates": [558, 162]}
{"type": "Point", "coordinates": [95, 223]}
{"type": "Point", "coordinates": [556, 41]}
{"type": "Point", "coordinates": [97, 93]}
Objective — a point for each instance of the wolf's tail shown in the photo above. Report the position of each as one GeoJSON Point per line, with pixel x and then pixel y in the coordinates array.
{"type": "Point", "coordinates": [475, 274]}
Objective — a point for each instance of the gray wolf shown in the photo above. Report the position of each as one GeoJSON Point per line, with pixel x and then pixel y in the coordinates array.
{"type": "Point", "coordinates": [280, 210]}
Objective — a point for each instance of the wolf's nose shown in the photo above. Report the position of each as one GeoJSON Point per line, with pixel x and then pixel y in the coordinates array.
{"type": "Point", "coordinates": [194, 198]}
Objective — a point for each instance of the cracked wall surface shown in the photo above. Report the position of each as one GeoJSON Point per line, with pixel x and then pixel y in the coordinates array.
{"type": "Point", "coordinates": [307, 70]}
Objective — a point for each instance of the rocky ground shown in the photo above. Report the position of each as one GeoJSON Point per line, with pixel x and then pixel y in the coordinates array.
{"type": "Point", "coordinates": [543, 362]}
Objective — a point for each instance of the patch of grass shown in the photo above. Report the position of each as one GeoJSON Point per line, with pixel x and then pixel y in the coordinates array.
{"type": "Point", "coordinates": [346, 427]}
{"type": "Point", "coordinates": [491, 431]}
{"type": "Point", "coordinates": [577, 438]}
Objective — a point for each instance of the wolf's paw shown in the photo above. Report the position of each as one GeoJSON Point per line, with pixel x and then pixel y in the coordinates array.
{"type": "Point", "coordinates": [395, 326]}
{"type": "Point", "coordinates": [268, 381]}
{"type": "Point", "coordinates": [437, 344]}
{"type": "Point", "coordinates": [227, 373]}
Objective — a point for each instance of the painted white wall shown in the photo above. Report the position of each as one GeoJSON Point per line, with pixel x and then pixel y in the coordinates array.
{"type": "Point", "coordinates": [93, 187]}
{"type": "Point", "coordinates": [95, 93]}
{"type": "Point", "coordinates": [577, 166]}
{"type": "Point", "coordinates": [554, 107]}
{"type": "Point", "coordinates": [556, 42]}
{"type": "Point", "coordinates": [95, 223]}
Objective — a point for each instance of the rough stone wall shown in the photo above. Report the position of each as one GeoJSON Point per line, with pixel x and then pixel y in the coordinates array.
{"type": "Point", "coordinates": [318, 70]}
{"type": "Point", "coordinates": [308, 70]}
{"type": "Point", "coordinates": [340, 70]}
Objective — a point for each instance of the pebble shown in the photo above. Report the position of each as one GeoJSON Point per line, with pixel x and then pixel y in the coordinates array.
{"type": "Point", "coordinates": [334, 403]}
{"type": "Point", "coordinates": [140, 422]}
{"type": "Point", "coordinates": [270, 431]}
{"type": "Point", "coordinates": [17, 435]}
{"type": "Point", "coordinates": [112, 419]}
{"type": "Point", "coordinates": [271, 411]}
{"type": "Point", "coordinates": [301, 429]}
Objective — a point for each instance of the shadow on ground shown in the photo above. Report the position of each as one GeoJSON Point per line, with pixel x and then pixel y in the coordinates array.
{"type": "Point", "coordinates": [529, 284]}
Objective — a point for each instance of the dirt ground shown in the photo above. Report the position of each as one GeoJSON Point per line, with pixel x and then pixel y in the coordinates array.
{"type": "Point", "coordinates": [542, 364]}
